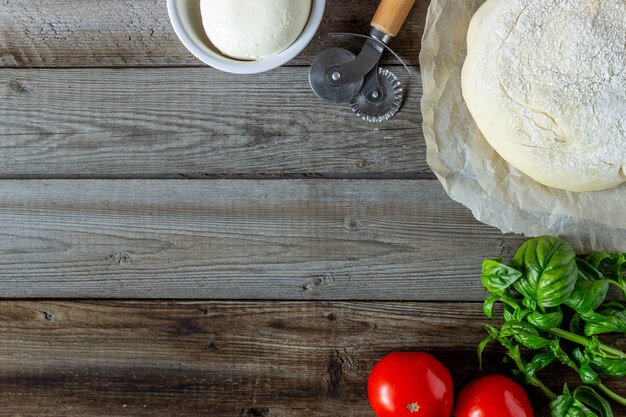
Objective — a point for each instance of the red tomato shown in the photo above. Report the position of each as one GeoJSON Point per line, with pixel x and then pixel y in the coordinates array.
{"type": "Point", "coordinates": [493, 396]}
{"type": "Point", "coordinates": [410, 384]}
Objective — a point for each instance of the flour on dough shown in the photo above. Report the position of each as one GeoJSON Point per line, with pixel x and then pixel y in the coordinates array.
{"type": "Point", "coordinates": [254, 29]}
{"type": "Point", "coordinates": [545, 81]}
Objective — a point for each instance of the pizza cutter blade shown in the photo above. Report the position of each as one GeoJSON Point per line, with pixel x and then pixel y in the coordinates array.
{"type": "Point", "coordinates": [382, 100]}
{"type": "Point", "coordinates": [322, 72]}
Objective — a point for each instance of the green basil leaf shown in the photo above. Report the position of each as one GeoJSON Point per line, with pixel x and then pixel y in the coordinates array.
{"type": "Point", "coordinates": [481, 348]}
{"type": "Point", "coordinates": [545, 321]}
{"type": "Point", "coordinates": [525, 334]}
{"type": "Point", "coordinates": [512, 327]}
{"type": "Point", "coordinates": [532, 342]}
{"type": "Point", "coordinates": [613, 322]}
{"type": "Point", "coordinates": [493, 332]}
{"type": "Point", "coordinates": [596, 259]}
{"type": "Point", "coordinates": [592, 399]}
{"type": "Point", "coordinates": [488, 305]}
{"type": "Point", "coordinates": [587, 272]}
{"type": "Point", "coordinates": [578, 409]}
{"type": "Point", "coordinates": [497, 276]}
{"type": "Point", "coordinates": [611, 265]}
{"type": "Point", "coordinates": [509, 313]}
{"type": "Point", "coordinates": [610, 367]}
{"type": "Point", "coordinates": [612, 306]}
{"type": "Point", "coordinates": [590, 289]}
{"type": "Point", "coordinates": [559, 405]}
{"type": "Point", "coordinates": [549, 270]}
{"type": "Point", "coordinates": [579, 356]}
{"type": "Point", "coordinates": [519, 315]}
{"type": "Point", "coordinates": [530, 303]}
{"type": "Point", "coordinates": [538, 362]}
{"type": "Point", "coordinates": [587, 374]}
{"type": "Point", "coordinates": [566, 405]}
{"type": "Point", "coordinates": [588, 295]}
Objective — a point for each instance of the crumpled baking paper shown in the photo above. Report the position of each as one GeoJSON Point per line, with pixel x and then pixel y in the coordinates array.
{"type": "Point", "coordinates": [473, 174]}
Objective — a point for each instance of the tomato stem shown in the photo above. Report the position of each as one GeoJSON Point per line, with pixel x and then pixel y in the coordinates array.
{"type": "Point", "coordinates": [413, 408]}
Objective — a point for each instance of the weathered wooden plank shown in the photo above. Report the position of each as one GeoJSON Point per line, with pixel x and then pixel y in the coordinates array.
{"type": "Point", "coordinates": [278, 239]}
{"type": "Point", "coordinates": [225, 359]}
{"type": "Point", "coordinates": [167, 123]}
{"type": "Point", "coordinates": [75, 33]}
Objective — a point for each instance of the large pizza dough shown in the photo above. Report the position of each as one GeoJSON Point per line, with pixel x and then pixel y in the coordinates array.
{"type": "Point", "coordinates": [545, 81]}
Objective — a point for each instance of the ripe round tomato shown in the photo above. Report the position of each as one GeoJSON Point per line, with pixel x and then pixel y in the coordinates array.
{"type": "Point", "coordinates": [493, 396]}
{"type": "Point", "coordinates": [410, 384]}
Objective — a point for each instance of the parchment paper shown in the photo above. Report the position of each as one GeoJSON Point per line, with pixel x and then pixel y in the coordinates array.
{"type": "Point", "coordinates": [473, 174]}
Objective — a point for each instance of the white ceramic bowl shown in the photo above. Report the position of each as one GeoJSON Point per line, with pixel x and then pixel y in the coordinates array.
{"type": "Point", "coordinates": [187, 21]}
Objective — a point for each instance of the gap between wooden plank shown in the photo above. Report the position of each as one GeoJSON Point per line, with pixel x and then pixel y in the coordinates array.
{"type": "Point", "coordinates": [162, 123]}
{"type": "Point", "coordinates": [119, 33]}
{"type": "Point", "coordinates": [241, 239]}
{"type": "Point", "coordinates": [230, 176]}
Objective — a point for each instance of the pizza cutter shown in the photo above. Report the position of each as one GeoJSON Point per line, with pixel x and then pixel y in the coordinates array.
{"type": "Point", "coordinates": [337, 75]}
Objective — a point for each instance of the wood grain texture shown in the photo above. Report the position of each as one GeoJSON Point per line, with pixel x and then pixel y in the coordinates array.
{"type": "Point", "coordinates": [284, 239]}
{"type": "Point", "coordinates": [226, 359]}
{"type": "Point", "coordinates": [194, 122]}
{"type": "Point", "coordinates": [112, 33]}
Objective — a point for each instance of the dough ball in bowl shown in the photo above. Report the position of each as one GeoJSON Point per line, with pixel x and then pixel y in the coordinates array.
{"type": "Point", "coordinates": [545, 81]}
{"type": "Point", "coordinates": [254, 29]}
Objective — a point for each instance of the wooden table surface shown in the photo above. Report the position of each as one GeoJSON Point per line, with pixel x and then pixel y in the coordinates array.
{"type": "Point", "coordinates": [177, 241]}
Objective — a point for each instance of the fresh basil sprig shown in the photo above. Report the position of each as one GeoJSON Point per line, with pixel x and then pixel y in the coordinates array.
{"type": "Point", "coordinates": [544, 280]}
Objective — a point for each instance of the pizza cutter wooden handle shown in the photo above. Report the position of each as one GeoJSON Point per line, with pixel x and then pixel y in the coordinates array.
{"type": "Point", "coordinates": [391, 15]}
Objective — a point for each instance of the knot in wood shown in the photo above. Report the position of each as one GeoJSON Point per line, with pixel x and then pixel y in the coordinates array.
{"type": "Point", "coordinates": [363, 164]}
{"type": "Point", "coordinates": [254, 412]}
{"type": "Point", "coordinates": [120, 258]}
{"type": "Point", "coordinates": [213, 347]}
{"type": "Point", "coordinates": [48, 316]}
{"type": "Point", "coordinates": [351, 224]}
{"type": "Point", "coordinates": [335, 373]}
{"type": "Point", "coordinates": [16, 86]}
